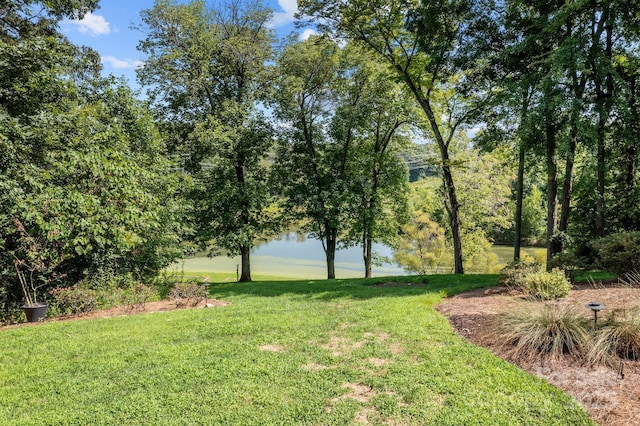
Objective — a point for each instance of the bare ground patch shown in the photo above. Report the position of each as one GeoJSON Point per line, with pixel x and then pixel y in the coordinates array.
{"type": "Point", "coordinates": [272, 348]}
{"type": "Point", "coordinates": [341, 346]}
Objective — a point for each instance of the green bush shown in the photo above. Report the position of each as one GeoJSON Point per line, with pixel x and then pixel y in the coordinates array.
{"type": "Point", "coordinates": [512, 274]}
{"type": "Point", "coordinates": [75, 299]}
{"type": "Point", "coordinates": [619, 253]}
{"type": "Point", "coordinates": [185, 294]}
{"type": "Point", "coordinates": [545, 285]}
{"type": "Point", "coordinates": [553, 331]}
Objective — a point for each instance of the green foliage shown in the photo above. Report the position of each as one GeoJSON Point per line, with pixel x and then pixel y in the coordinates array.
{"type": "Point", "coordinates": [280, 353]}
{"type": "Point", "coordinates": [545, 285]}
{"type": "Point", "coordinates": [511, 275]}
{"type": "Point", "coordinates": [336, 166]}
{"type": "Point", "coordinates": [619, 253]}
{"type": "Point", "coordinates": [206, 71]}
{"type": "Point", "coordinates": [74, 300]}
{"type": "Point", "coordinates": [553, 331]}
{"type": "Point", "coordinates": [425, 244]}
{"type": "Point", "coordinates": [478, 256]}
{"type": "Point", "coordinates": [533, 217]}
{"type": "Point", "coordinates": [422, 248]}
{"type": "Point", "coordinates": [483, 182]}
{"type": "Point", "coordinates": [83, 178]}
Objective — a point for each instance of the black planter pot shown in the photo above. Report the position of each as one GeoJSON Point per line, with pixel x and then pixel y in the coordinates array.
{"type": "Point", "coordinates": [35, 313]}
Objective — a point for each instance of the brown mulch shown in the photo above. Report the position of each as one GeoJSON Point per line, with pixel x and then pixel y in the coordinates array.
{"type": "Point", "coordinates": [609, 398]}
{"type": "Point", "coordinates": [117, 311]}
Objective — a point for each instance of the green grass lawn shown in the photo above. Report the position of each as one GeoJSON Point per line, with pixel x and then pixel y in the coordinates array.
{"type": "Point", "coordinates": [283, 353]}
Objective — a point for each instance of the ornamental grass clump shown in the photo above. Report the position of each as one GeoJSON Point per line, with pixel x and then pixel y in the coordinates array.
{"type": "Point", "coordinates": [618, 339]}
{"type": "Point", "coordinates": [553, 331]}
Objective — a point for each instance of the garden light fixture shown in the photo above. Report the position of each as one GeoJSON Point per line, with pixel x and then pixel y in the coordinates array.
{"type": "Point", "coordinates": [595, 307]}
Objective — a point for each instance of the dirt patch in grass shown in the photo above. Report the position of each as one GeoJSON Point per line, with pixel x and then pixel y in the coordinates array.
{"type": "Point", "coordinates": [395, 284]}
{"type": "Point", "coordinates": [609, 399]}
{"type": "Point", "coordinates": [272, 348]}
{"type": "Point", "coordinates": [341, 346]}
{"type": "Point", "coordinates": [117, 311]}
{"type": "Point", "coordinates": [377, 362]}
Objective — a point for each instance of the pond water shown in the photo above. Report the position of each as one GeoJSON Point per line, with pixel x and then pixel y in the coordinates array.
{"type": "Point", "coordinates": [296, 256]}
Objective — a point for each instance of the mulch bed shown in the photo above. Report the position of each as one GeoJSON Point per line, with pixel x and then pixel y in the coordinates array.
{"type": "Point", "coordinates": [609, 399]}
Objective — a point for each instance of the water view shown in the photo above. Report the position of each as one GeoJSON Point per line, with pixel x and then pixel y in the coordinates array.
{"type": "Point", "coordinates": [295, 256]}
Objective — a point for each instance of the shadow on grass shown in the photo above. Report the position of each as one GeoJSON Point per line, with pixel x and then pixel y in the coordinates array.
{"type": "Point", "coordinates": [358, 288]}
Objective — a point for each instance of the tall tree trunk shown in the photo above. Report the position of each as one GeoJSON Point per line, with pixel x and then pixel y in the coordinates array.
{"type": "Point", "coordinates": [367, 254]}
{"type": "Point", "coordinates": [553, 246]}
{"type": "Point", "coordinates": [567, 188]}
{"type": "Point", "coordinates": [245, 252]}
{"type": "Point", "coordinates": [452, 204]}
{"type": "Point", "coordinates": [522, 150]}
{"type": "Point", "coordinates": [519, 198]}
{"type": "Point", "coordinates": [630, 160]}
{"type": "Point", "coordinates": [600, 176]}
{"type": "Point", "coordinates": [370, 217]}
{"type": "Point", "coordinates": [330, 252]}
{"type": "Point", "coordinates": [603, 107]}
{"type": "Point", "coordinates": [454, 214]}
{"type": "Point", "coordinates": [578, 86]}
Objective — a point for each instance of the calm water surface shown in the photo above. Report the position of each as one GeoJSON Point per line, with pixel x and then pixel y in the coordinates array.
{"type": "Point", "coordinates": [296, 256]}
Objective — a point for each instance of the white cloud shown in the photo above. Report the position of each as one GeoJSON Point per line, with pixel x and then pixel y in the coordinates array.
{"type": "Point", "coordinates": [290, 8]}
{"type": "Point", "coordinates": [94, 25]}
{"type": "Point", "coordinates": [121, 63]}
{"type": "Point", "coordinates": [307, 33]}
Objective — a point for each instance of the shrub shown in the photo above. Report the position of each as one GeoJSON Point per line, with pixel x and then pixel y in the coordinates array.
{"type": "Point", "coordinates": [552, 331]}
{"type": "Point", "coordinates": [136, 296]}
{"type": "Point", "coordinates": [75, 299]}
{"type": "Point", "coordinates": [188, 293]}
{"type": "Point", "coordinates": [618, 339]}
{"type": "Point", "coordinates": [512, 274]}
{"type": "Point", "coordinates": [619, 253]}
{"type": "Point", "coordinates": [545, 285]}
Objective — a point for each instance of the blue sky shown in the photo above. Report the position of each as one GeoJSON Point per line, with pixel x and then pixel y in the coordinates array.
{"type": "Point", "coordinates": [107, 30]}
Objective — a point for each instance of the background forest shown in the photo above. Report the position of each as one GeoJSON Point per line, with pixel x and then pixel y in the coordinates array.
{"type": "Point", "coordinates": [517, 119]}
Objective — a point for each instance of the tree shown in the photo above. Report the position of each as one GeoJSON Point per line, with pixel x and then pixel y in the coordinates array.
{"type": "Point", "coordinates": [484, 185]}
{"type": "Point", "coordinates": [101, 194]}
{"type": "Point", "coordinates": [34, 59]}
{"type": "Point", "coordinates": [569, 50]}
{"type": "Point", "coordinates": [86, 188]}
{"type": "Point", "coordinates": [310, 165]}
{"type": "Point", "coordinates": [422, 246]}
{"type": "Point", "coordinates": [377, 112]}
{"type": "Point", "coordinates": [419, 44]}
{"type": "Point", "coordinates": [207, 71]}
{"type": "Point", "coordinates": [337, 160]}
